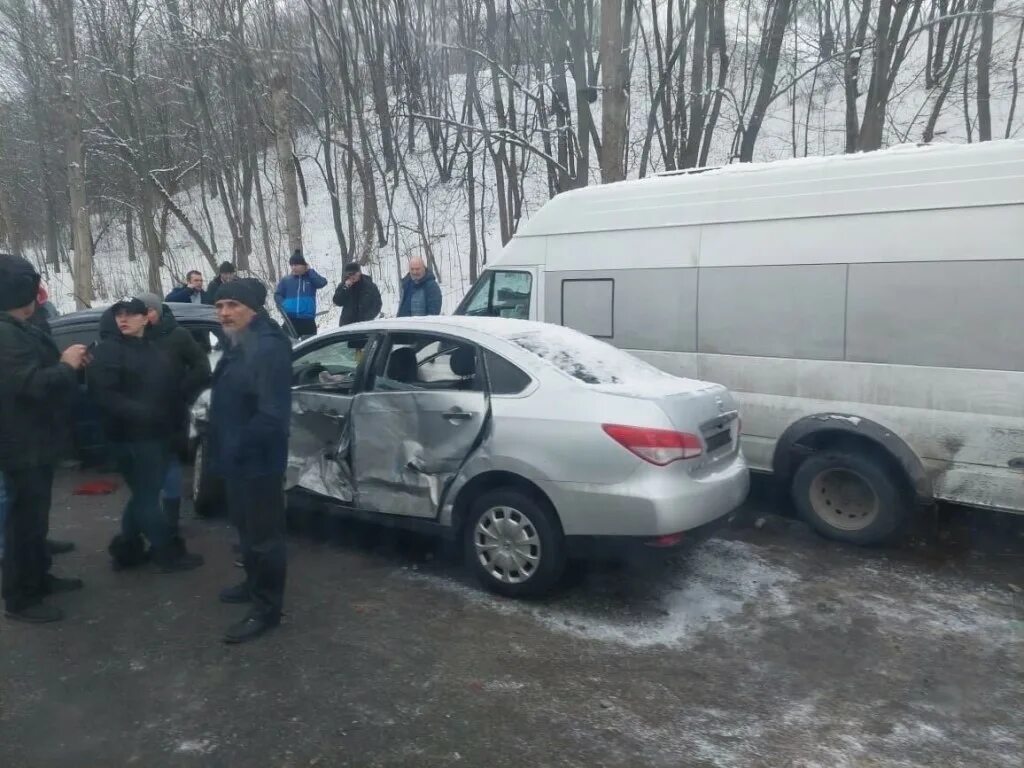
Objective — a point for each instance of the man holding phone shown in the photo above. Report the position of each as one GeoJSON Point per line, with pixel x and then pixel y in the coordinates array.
{"type": "Point", "coordinates": [36, 390]}
{"type": "Point", "coordinates": [358, 296]}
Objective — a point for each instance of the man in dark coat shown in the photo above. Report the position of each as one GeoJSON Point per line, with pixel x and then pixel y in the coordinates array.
{"type": "Point", "coordinates": [189, 293]}
{"type": "Point", "coordinates": [36, 388]}
{"type": "Point", "coordinates": [225, 274]}
{"type": "Point", "coordinates": [358, 296]}
{"type": "Point", "coordinates": [421, 295]}
{"type": "Point", "coordinates": [250, 411]}
{"type": "Point", "coordinates": [134, 384]}
{"type": "Point", "coordinates": [191, 375]}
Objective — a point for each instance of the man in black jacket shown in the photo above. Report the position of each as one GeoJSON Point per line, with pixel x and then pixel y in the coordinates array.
{"type": "Point", "coordinates": [134, 385]}
{"type": "Point", "coordinates": [250, 411]}
{"type": "Point", "coordinates": [192, 375]}
{"type": "Point", "coordinates": [36, 387]}
{"type": "Point", "coordinates": [358, 296]}
{"type": "Point", "coordinates": [225, 274]}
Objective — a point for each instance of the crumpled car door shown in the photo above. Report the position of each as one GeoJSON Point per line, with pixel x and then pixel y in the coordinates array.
{"type": "Point", "coordinates": [318, 447]}
{"type": "Point", "coordinates": [407, 447]}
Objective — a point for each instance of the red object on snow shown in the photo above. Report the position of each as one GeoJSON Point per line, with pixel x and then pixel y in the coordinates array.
{"type": "Point", "coordinates": [96, 488]}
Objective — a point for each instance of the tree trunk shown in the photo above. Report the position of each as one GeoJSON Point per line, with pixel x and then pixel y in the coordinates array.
{"type": "Point", "coordinates": [613, 115]}
{"type": "Point", "coordinates": [286, 159]}
{"type": "Point", "coordinates": [768, 64]}
{"type": "Point", "coordinates": [581, 74]}
{"type": "Point", "coordinates": [984, 70]}
{"type": "Point", "coordinates": [877, 99]}
{"type": "Point", "coordinates": [63, 14]}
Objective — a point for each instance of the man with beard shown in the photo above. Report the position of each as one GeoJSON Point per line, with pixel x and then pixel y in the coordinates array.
{"type": "Point", "coordinates": [250, 411]}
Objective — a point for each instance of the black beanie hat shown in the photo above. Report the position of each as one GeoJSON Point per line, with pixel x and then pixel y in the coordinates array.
{"type": "Point", "coordinates": [245, 290]}
{"type": "Point", "coordinates": [297, 259]}
{"type": "Point", "coordinates": [226, 268]}
{"type": "Point", "coordinates": [19, 282]}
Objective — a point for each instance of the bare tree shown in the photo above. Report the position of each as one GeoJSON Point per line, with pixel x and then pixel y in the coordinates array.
{"type": "Point", "coordinates": [63, 14]}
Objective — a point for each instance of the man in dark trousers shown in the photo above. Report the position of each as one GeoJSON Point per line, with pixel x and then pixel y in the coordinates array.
{"type": "Point", "coordinates": [37, 384]}
{"type": "Point", "coordinates": [249, 419]}
{"type": "Point", "coordinates": [296, 295]}
{"type": "Point", "coordinates": [358, 296]}
{"type": "Point", "coordinates": [421, 295]}
{"type": "Point", "coordinates": [135, 387]}
{"type": "Point", "coordinates": [189, 293]}
{"type": "Point", "coordinates": [225, 274]}
{"type": "Point", "coordinates": [191, 374]}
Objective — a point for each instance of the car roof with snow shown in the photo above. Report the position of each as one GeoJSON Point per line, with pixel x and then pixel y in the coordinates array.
{"type": "Point", "coordinates": [906, 177]}
{"type": "Point", "coordinates": [554, 347]}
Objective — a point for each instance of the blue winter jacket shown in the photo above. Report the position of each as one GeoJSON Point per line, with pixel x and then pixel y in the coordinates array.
{"type": "Point", "coordinates": [250, 407]}
{"type": "Point", "coordinates": [184, 295]}
{"type": "Point", "coordinates": [431, 295]}
{"type": "Point", "coordinates": [297, 295]}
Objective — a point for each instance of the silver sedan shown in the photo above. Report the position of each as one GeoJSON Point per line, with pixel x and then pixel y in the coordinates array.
{"type": "Point", "coordinates": [522, 440]}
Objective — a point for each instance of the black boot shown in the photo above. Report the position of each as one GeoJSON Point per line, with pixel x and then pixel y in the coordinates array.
{"type": "Point", "coordinates": [128, 553]}
{"type": "Point", "coordinates": [40, 613]}
{"type": "Point", "coordinates": [249, 628]}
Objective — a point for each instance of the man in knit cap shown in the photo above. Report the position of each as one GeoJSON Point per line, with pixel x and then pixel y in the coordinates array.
{"type": "Point", "coordinates": [250, 411]}
{"type": "Point", "coordinates": [36, 390]}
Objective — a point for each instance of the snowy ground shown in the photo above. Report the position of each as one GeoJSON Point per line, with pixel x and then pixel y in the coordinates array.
{"type": "Point", "coordinates": [764, 647]}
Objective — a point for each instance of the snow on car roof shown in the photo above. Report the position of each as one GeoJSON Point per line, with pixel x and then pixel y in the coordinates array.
{"type": "Point", "coordinates": [584, 358]}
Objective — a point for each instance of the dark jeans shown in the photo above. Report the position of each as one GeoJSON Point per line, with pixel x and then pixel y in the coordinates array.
{"type": "Point", "coordinates": [304, 326]}
{"type": "Point", "coordinates": [143, 465]}
{"type": "Point", "coordinates": [26, 557]}
{"type": "Point", "coordinates": [256, 506]}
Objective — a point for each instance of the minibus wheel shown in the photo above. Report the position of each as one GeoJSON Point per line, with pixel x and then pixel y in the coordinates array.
{"type": "Point", "coordinates": [852, 497]}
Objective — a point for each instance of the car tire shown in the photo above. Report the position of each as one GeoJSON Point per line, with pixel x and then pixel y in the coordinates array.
{"type": "Point", "coordinates": [851, 497]}
{"type": "Point", "coordinates": [207, 490]}
{"type": "Point", "coordinates": [533, 531]}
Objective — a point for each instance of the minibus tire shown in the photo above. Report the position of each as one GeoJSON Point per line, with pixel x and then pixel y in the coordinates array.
{"type": "Point", "coordinates": [851, 497]}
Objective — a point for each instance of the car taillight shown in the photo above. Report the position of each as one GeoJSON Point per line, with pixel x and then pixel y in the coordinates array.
{"type": "Point", "coordinates": [657, 446]}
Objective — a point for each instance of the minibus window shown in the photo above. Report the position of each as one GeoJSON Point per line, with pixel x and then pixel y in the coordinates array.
{"type": "Point", "coordinates": [500, 293]}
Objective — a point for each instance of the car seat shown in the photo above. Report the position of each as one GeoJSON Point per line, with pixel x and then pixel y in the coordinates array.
{"type": "Point", "coordinates": [463, 364]}
{"type": "Point", "coordinates": [402, 365]}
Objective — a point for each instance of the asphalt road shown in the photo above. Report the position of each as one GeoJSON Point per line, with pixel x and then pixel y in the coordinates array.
{"type": "Point", "coordinates": [766, 646]}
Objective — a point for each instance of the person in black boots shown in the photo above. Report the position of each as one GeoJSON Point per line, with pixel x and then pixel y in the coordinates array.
{"type": "Point", "coordinates": [37, 384]}
{"type": "Point", "coordinates": [133, 383]}
{"type": "Point", "coordinates": [249, 417]}
{"type": "Point", "coordinates": [358, 296]}
{"type": "Point", "coordinates": [191, 375]}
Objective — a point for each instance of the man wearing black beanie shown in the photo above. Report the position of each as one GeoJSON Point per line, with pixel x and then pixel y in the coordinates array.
{"type": "Point", "coordinates": [250, 411]}
{"type": "Point", "coordinates": [36, 388]}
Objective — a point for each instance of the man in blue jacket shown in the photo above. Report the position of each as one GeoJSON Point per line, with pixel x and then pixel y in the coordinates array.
{"type": "Point", "coordinates": [250, 412]}
{"type": "Point", "coordinates": [421, 295]}
{"type": "Point", "coordinates": [296, 295]}
{"type": "Point", "coordinates": [189, 293]}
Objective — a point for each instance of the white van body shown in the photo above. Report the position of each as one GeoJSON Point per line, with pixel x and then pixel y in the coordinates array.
{"type": "Point", "coordinates": [877, 296]}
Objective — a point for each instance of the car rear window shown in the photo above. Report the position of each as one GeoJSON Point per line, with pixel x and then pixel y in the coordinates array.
{"type": "Point", "coordinates": [598, 364]}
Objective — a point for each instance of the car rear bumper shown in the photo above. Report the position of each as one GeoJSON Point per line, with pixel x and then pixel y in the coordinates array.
{"type": "Point", "coordinates": [659, 501]}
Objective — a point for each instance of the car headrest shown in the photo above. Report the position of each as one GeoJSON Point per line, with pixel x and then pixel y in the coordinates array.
{"type": "Point", "coordinates": [463, 362]}
{"type": "Point", "coordinates": [402, 365]}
